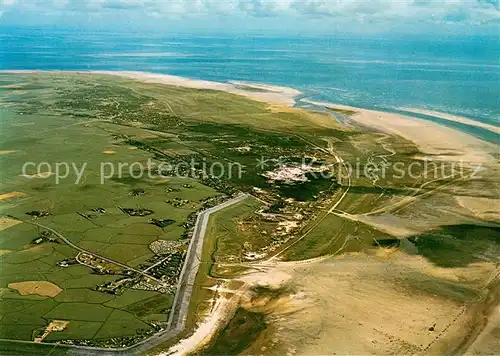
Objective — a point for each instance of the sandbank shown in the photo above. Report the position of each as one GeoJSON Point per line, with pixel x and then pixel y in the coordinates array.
{"type": "Point", "coordinates": [437, 141]}
{"type": "Point", "coordinates": [450, 117]}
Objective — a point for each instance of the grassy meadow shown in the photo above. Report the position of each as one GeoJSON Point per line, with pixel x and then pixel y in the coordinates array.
{"type": "Point", "coordinates": [53, 137]}
{"type": "Point", "coordinates": [98, 122]}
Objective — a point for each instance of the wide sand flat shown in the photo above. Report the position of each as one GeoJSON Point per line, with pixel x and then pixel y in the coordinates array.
{"type": "Point", "coordinates": [437, 141]}
{"type": "Point", "coordinates": [357, 304]}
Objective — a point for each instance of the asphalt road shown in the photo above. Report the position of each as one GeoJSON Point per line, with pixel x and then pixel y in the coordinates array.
{"type": "Point", "coordinates": [177, 317]}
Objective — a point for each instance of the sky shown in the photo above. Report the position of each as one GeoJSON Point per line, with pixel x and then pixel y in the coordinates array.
{"type": "Point", "coordinates": [259, 16]}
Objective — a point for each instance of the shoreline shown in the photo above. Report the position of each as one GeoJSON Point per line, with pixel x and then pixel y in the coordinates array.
{"type": "Point", "coordinates": [439, 141]}
{"type": "Point", "coordinates": [272, 94]}
{"type": "Point", "coordinates": [453, 118]}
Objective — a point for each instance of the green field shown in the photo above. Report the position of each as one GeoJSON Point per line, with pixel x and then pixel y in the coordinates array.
{"type": "Point", "coordinates": [226, 237]}
{"type": "Point", "coordinates": [37, 132]}
{"type": "Point", "coordinates": [101, 122]}
{"type": "Point", "coordinates": [105, 128]}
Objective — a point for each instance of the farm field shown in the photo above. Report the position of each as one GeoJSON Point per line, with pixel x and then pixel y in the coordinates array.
{"type": "Point", "coordinates": [74, 228]}
{"type": "Point", "coordinates": [104, 177]}
{"type": "Point", "coordinates": [36, 287]}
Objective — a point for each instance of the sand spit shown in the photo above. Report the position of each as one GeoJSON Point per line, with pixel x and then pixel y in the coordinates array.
{"type": "Point", "coordinates": [437, 141]}
{"type": "Point", "coordinates": [256, 91]}
{"type": "Point", "coordinates": [450, 117]}
{"type": "Point", "coordinates": [266, 93]}
{"type": "Point", "coordinates": [266, 87]}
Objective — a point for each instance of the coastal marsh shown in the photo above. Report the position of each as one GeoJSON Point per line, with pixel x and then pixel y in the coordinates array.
{"type": "Point", "coordinates": [81, 117]}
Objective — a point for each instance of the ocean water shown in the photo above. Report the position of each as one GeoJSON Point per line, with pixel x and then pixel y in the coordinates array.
{"type": "Point", "coordinates": [454, 75]}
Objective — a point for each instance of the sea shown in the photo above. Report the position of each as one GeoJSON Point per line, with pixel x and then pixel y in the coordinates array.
{"type": "Point", "coordinates": [456, 75]}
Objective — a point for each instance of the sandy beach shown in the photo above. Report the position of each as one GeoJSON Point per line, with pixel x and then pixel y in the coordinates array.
{"type": "Point", "coordinates": [326, 287]}
{"type": "Point", "coordinates": [440, 142]}
{"type": "Point", "coordinates": [257, 91]}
